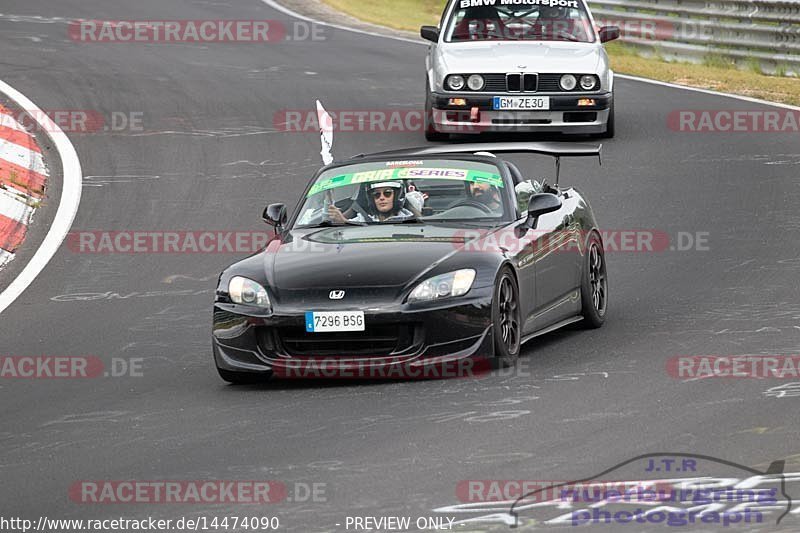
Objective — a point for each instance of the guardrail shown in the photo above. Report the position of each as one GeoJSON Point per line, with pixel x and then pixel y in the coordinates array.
{"type": "Point", "coordinates": [751, 32]}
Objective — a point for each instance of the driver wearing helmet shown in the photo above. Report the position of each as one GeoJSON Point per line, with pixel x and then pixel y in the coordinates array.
{"type": "Point", "coordinates": [556, 23]}
{"type": "Point", "coordinates": [385, 203]}
{"type": "Point", "coordinates": [552, 13]}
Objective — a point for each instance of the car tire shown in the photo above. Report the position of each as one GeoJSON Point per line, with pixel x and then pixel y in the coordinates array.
{"type": "Point", "coordinates": [507, 324]}
{"type": "Point", "coordinates": [241, 378]}
{"type": "Point", "coordinates": [609, 133]}
{"type": "Point", "coordinates": [594, 284]}
{"type": "Point", "coordinates": [431, 134]}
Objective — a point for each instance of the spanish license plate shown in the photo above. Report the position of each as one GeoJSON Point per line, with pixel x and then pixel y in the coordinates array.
{"type": "Point", "coordinates": [521, 103]}
{"type": "Point", "coordinates": [329, 321]}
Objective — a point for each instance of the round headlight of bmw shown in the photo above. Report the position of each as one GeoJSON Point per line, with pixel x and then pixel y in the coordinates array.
{"type": "Point", "coordinates": [567, 82]}
{"type": "Point", "coordinates": [247, 292]}
{"type": "Point", "coordinates": [455, 82]}
{"type": "Point", "coordinates": [588, 82]}
{"type": "Point", "coordinates": [475, 82]}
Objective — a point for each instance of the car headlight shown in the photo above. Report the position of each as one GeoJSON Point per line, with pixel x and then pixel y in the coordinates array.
{"type": "Point", "coordinates": [475, 82]}
{"type": "Point", "coordinates": [455, 82]}
{"type": "Point", "coordinates": [588, 82]}
{"type": "Point", "coordinates": [247, 292]}
{"type": "Point", "coordinates": [447, 285]}
{"type": "Point", "coordinates": [567, 82]}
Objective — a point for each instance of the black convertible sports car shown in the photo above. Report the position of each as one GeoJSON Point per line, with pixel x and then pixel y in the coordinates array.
{"type": "Point", "coordinates": [413, 258]}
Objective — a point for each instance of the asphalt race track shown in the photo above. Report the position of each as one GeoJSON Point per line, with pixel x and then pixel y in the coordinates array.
{"type": "Point", "coordinates": [209, 157]}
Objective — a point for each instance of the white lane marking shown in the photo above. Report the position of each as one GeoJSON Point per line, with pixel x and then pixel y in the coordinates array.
{"type": "Point", "coordinates": [24, 157]}
{"type": "Point", "coordinates": [708, 91]}
{"type": "Point", "coordinates": [273, 4]}
{"type": "Point", "coordinates": [67, 207]}
{"type": "Point", "coordinates": [11, 206]}
{"type": "Point", "coordinates": [34, 19]}
{"type": "Point", "coordinates": [8, 121]}
{"type": "Point", "coordinates": [287, 11]}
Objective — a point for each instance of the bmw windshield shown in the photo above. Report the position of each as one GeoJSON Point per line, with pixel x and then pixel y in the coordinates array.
{"type": "Point", "coordinates": [520, 20]}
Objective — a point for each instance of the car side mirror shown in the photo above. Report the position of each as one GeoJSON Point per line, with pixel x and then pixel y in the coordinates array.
{"type": "Point", "coordinates": [275, 215]}
{"type": "Point", "coordinates": [541, 204]}
{"type": "Point", "coordinates": [429, 33]}
{"type": "Point", "coordinates": [608, 33]}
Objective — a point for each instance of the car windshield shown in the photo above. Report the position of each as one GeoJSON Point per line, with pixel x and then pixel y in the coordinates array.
{"type": "Point", "coordinates": [420, 191]}
{"type": "Point", "coordinates": [525, 20]}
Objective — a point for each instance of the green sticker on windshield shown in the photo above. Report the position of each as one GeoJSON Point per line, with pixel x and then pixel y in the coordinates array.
{"type": "Point", "coordinates": [387, 174]}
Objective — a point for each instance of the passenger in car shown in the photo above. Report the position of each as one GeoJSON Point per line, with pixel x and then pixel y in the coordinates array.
{"type": "Point", "coordinates": [386, 202]}
{"type": "Point", "coordinates": [479, 23]}
{"type": "Point", "coordinates": [486, 194]}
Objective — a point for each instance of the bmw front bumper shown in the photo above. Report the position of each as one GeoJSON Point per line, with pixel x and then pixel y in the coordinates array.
{"type": "Point", "coordinates": [563, 116]}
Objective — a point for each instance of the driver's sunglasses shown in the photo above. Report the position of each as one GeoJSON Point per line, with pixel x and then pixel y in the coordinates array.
{"type": "Point", "coordinates": [387, 193]}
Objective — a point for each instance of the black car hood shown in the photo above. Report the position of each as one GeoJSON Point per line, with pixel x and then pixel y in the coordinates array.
{"type": "Point", "coordinates": [341, 258]}
{"type": "Point", "coordinates": [373, 265]}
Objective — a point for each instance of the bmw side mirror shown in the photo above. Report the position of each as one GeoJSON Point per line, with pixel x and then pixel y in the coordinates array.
{"type": "Point", "coordinates": [608, 33]}
{"type": "Point", "coordinates": [541, 204]}
{"type": "Point", "coordinates": [430, 33]}
{"type": "Point", "coordinates": [275, 215]}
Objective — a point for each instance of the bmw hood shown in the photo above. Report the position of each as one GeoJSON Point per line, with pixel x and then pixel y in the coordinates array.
{"type": "Point", "coordinates": [515, 56]}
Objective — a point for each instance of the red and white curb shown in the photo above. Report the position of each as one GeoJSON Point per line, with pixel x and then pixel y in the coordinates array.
{"type": "Point", "coordinates": [23, 177]}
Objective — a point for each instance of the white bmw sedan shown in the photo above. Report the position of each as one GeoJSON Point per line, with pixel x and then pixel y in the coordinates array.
{"type": "Point", "coordinates": [518, 65]}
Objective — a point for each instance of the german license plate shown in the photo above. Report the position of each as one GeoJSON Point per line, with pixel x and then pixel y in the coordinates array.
{"type": "Point", "coordinates": [521, 103]}
{"type": "Point", "coordinates": [330, 321]}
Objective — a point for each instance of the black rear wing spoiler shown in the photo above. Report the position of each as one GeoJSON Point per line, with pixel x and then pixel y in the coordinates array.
{"type": "Point", "coordinates": [552, 149]}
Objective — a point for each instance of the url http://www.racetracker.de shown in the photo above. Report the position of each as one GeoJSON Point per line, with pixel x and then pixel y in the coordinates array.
{"type": "Point", "coordinates": [201, 523]}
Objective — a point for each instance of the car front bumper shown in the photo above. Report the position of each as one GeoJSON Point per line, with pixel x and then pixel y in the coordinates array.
{"type": "Point", "coordinates": [564, 115]}
{"type": "Point", "coordinates": [398, 339]}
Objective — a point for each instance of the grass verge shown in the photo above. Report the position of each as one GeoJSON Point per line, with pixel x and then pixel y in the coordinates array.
{"type": "Point", "coordinates": [716, 75]}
